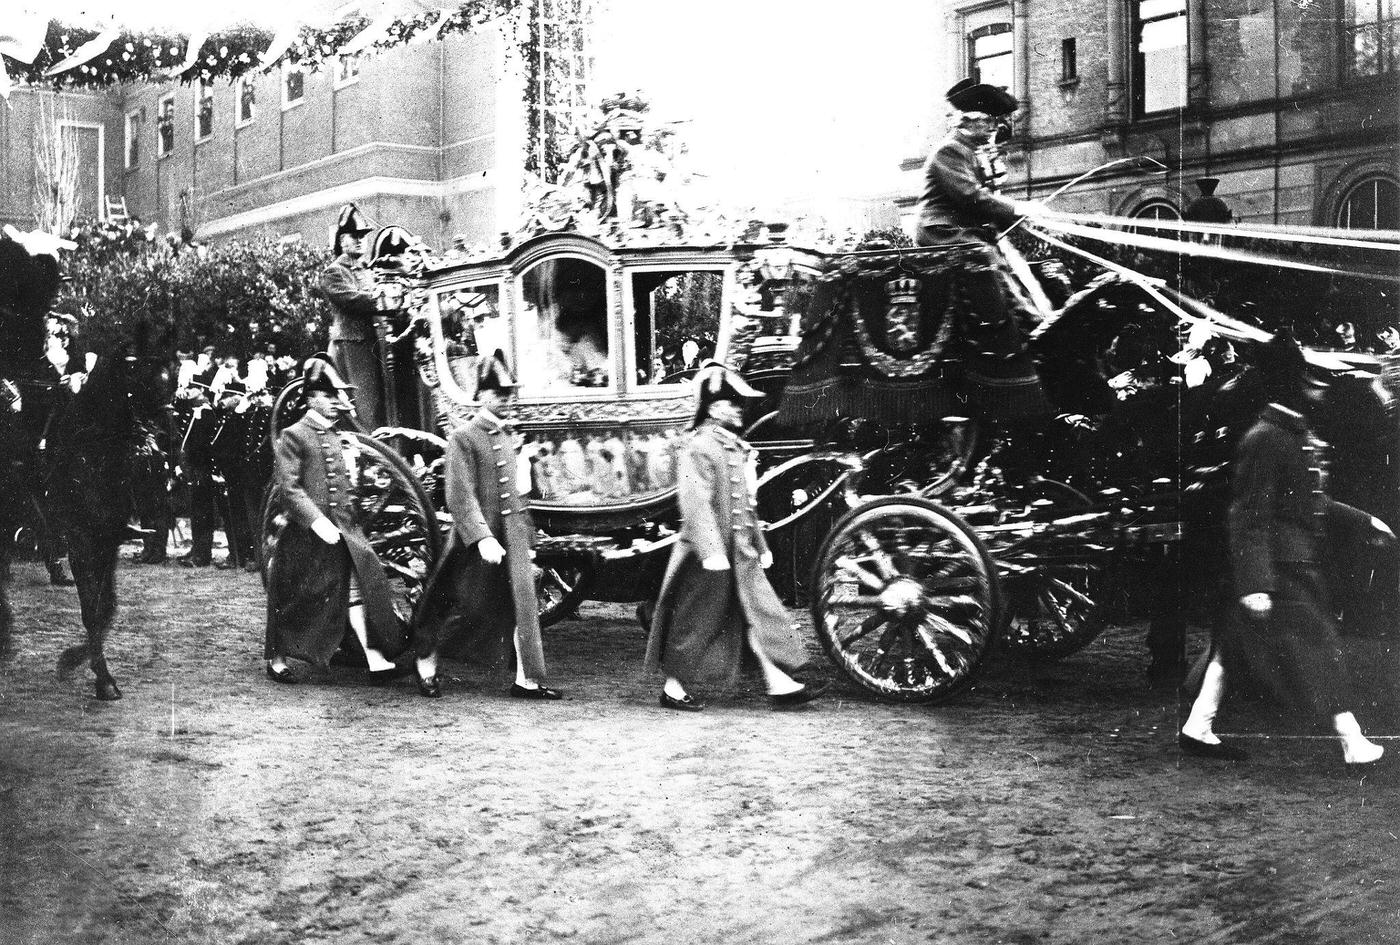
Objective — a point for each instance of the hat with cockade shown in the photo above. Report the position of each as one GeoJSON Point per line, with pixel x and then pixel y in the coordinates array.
{"type": "Point", "coordinates": [319, 376]}
{"type": "Point", "coordinates": [351, 221]}
{"type": "Point", "coordinates": [969, 95]}
{"type": "Point", "coordinates": [715, 382]}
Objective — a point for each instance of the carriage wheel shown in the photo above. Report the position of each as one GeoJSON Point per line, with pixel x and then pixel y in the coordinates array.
{"type": "Point", "coordinates": [395, 514]}
{"type": "Point", "coordinates": [930, 463]}
{"type": "Point", "coordinates": [1060, 605]}
{"type": "Point", "coordinates": [906, 600]}
{"type": "Point", "coordinates": [287, 409]}
{"type": "Point", "coordinates": [562, 586]}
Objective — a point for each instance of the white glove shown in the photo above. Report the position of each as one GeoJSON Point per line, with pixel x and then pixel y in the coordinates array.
{"type": "Point", "coordinates": [765, 560]}
{"type": "Point", "coordinates": [1381, 527]}
{"type": "Point", "coordinates": [1028, 208]}
{"type": "Point", "coordinates": [1258, 604]}
{"type": "Point", "coordinates": [715, 563]}
{"type": "Point", "coordinates": [491, 550]}
{"type": "Point", "coordinates": [326, 530]}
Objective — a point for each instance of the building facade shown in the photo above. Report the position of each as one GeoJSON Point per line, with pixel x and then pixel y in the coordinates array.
{"type": "Point", "coordinates": [1294, 105]}
{"type": "Point", "coordinates": [438, 137]}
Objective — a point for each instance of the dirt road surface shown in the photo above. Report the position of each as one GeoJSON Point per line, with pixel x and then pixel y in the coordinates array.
{"type": "Point", "coordinates": [1048, 806]}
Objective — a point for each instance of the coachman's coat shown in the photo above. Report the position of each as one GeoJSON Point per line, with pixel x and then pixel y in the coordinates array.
{"type": "Point", "coordinates": [471, 609]}
{"type": "Point", "coordinates": [308, 580]}
{"type": "Point", "coordinates": [354, 344]}
{"type": "Point", "coordinates": [1280, 523]}
{"type": "Point", "coordinates": [698, 630]}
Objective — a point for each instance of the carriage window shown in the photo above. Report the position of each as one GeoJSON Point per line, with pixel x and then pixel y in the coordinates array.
{"type": "Point", "coordinates": [562, 340]}
{"type": "Point", "coordinates": [472, 322]}
{"type": "Point", "coordinates": [677, 322]}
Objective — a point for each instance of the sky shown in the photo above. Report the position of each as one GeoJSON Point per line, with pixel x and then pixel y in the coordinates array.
{"type": "Point", "coordinates": [779, 99]}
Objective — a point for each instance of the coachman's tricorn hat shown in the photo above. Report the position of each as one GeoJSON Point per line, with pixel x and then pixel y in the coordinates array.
{"type": "Point", "coordinates": [970, 95]}
{"type": "Point", "coordinates": [351, 221]}
{"type": "Point", "coordinates": [494, 374]}
{"type": "Point", "coordinates": [321, 376]}
{"type": "Point", "coordinates": [715, 382]}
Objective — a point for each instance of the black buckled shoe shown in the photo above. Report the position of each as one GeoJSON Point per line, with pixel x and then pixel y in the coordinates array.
{"type": "Point", "coordinates": [687, 704]}
{"type": "Point", "coordinates": [429, 688]}
{"type": "Point", "coordinates": [1200, 749]}
{"type": "Point", "coordinates": [538, 693]}
{"type": "Point", "coordinates": [283, 675]}
{"type": "Point", "coordinates": [791, 700]}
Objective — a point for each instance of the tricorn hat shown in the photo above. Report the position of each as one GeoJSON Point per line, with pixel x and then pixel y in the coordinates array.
{"type": "Point", "coordinates": [970, 95]}
{"type": "Point", "coordinates": [351, 221]}
{"type": "Point", "coordinates": [494, 374]}
{"type": "Point", "coordinates": [1283, 371]}
{"type": "Point", "coordinates": [234, 388]}
{"type": "Point", "coordinates": [715, 382]}
{"type": "Point", "coordinates": [319, 375]}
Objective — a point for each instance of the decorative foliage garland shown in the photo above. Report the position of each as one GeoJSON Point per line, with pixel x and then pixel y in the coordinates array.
{"type": "Point", "coordinates": [229, 53]}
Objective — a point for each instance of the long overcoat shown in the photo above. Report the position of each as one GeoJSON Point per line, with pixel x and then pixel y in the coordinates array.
{"type": "Point", "coordinates": [698, 629]}
{"type": "Point", "coordinates": [1280, 522]}
{"type": "Point", "coordinates": [308, 580]}
{"type": "Point", "coordinates": [354, 344]}
{"type": "Point", "coordinates": [471, 609]}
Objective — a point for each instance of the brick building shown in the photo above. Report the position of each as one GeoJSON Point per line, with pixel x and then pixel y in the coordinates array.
{"type": "Point", "coordinates": [1293, 104]}
{"type": "Point", "coordinates": [433, 136]}
{"type": "Point", "coordinates": [87, 124]}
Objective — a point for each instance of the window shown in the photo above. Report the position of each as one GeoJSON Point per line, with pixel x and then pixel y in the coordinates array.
{"type": "Point", "coordinates": [293, 86]}
{"type": "Point", "coordinates": [675, 315]}
{"type": "Point", "coordinates": [1154, 210]}
{"type": "Point", "coordinates": [165, 125]}
{"type": "Point", "coordinates": [562, 342]}
{"type": "Point", "coordinates": [1069, 61]}
{"type": "Point", "coordinates": [347, 70]}
{"type": "Point", "coordinates": [246, 96]}
{"type": "Point", "coordinates": [1369, 37]}
{"type": "Point", "coordinates": [204, 110]}
{"type": "Point", "coordinates": [1371, 204]}
{"type": "Point", "coordinates": [133, 139]}
{"type": "Point", "coordinates": [989, 54]}
{"type": "Point", "coordinates": [1159, 55]}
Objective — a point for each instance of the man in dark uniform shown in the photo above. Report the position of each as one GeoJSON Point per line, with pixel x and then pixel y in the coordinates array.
{"type": "Point", "coordinates": [229, 461]}
{"type": "Point", "coordinates": [197, 469]}
{"type": "Point", "coordinates": [354, 344]}
{"type": "Point", "coordinates": [482, 598]}
{"type": "Point", "coordinates": [1283, 632]}
{"type": "Point", "coordinates": [715, 599]}
{"type": "Point", "coordinates": [323, 574]}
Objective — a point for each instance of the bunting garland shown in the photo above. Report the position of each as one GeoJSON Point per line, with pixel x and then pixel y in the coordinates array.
{"type": "Point", "coordinates": [82, 57]}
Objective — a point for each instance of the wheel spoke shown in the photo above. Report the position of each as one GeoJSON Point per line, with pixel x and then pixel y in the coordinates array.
{"type": "Point", "coordinates": [935, 651]}
{"type": "Point", "coordinates": [867, 626]}
{"type": "Point", "coordinates": [857, 570]}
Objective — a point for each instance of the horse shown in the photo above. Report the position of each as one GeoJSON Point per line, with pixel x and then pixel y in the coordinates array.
{"type": "Point", "coordinates": [95, 441]}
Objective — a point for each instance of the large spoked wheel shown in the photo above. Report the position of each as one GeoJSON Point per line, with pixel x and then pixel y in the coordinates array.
{"type": "Point", "coordinates": [1058, 589]}
{"type": "Point", "coordinates": [561, 586]}
{"type": "Point", "coordinates": [906, 600]}
{"type": "Point", "coordinates": [395, 514]}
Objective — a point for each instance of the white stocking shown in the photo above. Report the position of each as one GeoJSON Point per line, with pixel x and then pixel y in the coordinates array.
{"type": "Point", "coordinates": [376, 660]}
{"type": "Point", "coordinates": [1200, 723]}
{"type": "Point", "coordinates": [778, 682]}
{"type": "Point", "coordinates": [521, 680]}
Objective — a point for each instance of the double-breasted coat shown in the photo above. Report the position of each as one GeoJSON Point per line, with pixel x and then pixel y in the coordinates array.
{"type": "Point", "coordinates": [354, 344]}
{"type": "Point", "coordinates": [471, 609]}
{"type": "Point", "coordinates": [308, 580]}
{"type": "Point", "coordinates": [1280, 521]}
{"type": "Point", "coordinates": [698, 629]}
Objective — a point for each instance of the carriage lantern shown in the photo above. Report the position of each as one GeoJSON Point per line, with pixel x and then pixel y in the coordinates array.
{"type": "Point", "coordinates": [776, 263]}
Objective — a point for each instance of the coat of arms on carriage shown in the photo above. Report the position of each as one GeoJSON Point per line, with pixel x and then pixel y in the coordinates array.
{"type": "Point", "coordinates": [902, 315]}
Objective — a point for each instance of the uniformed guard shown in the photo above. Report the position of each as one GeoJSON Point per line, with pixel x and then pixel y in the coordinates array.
{"type": "Point", "coordinates": [715, 599]}
{"type": "Point", "coordinates": [323, 574]}
{"type": "Point", "coordinates": [482, 596]}
{"type": "Point", "coordinates": [1283, 632]}
{"type": "Point", "coordinates": [354, 345]}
